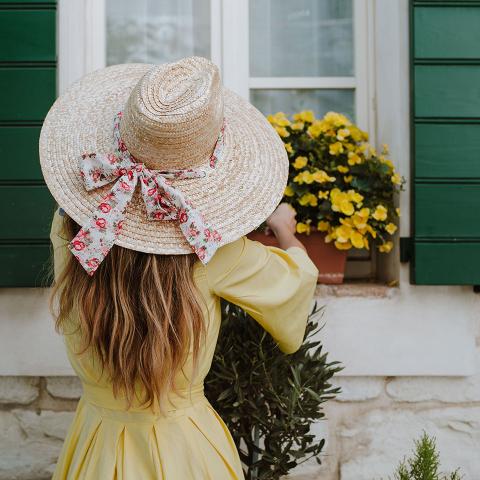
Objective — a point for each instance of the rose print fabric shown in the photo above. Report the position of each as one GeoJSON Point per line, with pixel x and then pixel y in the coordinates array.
{"type": "Point", "coordinates": [163, 202]}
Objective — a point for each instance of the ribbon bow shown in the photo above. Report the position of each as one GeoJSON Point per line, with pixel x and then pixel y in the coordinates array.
{"type": "Point", "coordinates": [163, 202]}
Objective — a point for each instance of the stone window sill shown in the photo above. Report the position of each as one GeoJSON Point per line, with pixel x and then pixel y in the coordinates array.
{"type": "Point", "coordinates": [360, 289]}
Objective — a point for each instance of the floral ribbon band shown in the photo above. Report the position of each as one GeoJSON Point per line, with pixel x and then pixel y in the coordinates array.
{"type": "Point", "coordinates": [162, 201]}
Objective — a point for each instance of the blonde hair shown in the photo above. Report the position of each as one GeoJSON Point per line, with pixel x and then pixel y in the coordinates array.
{"type": "Point", "coordinates": [140, 312]}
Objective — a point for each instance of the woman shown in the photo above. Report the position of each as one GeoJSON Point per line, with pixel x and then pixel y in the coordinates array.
{"type": "Point", "coordinates": [139, 271]}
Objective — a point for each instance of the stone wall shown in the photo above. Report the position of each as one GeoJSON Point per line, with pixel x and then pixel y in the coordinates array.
{"type": "Point", "coordinates": [35, 413]}
{"type": "Point", "coordinates": [370, 426]}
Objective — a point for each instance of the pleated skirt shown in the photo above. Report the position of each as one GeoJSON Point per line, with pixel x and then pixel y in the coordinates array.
{"type": "Point", "coordinates": [190, 442]}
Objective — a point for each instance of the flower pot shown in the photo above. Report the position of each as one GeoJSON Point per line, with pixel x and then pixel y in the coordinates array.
{"type": "Point", "coordinates": [328, 259]}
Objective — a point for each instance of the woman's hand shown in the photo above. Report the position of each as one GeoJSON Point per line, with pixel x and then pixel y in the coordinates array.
{"type": "Point", "coordinates": [283, 224]}
{"type": "Point", "coordinates": [283, 218]}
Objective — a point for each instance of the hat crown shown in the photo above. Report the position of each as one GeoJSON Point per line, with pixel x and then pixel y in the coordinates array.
{"type": "Point", "coordinates": [174, 114]}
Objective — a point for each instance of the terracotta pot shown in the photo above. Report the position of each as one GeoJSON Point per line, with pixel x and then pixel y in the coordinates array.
{"type": "Point", "coordinates": [329, 260]}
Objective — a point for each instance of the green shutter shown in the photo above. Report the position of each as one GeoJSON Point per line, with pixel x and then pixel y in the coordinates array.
{"type": "Point", "coordinates": [28, 70]}
{"type": "Point", "coordinates": [445, 65]}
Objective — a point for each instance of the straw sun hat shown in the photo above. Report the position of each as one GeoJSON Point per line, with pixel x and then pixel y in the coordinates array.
{"type": "Point", "coordinates": [200, 147]}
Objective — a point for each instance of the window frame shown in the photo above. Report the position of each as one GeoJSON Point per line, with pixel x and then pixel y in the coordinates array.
{"type": "Point", "coordinates": [86, 51]}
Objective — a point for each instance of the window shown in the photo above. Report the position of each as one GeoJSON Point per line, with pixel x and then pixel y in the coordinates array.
{"type": "Point", "coordinates": [282, 55]}
{"type": "Point", "coordinates": [301, 55]}
{"type": "Point", "coordinates": [157, 31]}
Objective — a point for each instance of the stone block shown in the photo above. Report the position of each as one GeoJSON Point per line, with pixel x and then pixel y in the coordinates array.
{"type": "Point", "coordinates": [358, 389]}
{"type": "Point", "coordinates": [20, 390]}
{"type": "Point", "coordinates": [64, 387]}
{"type": "Point", "coordinates": [30, 443]}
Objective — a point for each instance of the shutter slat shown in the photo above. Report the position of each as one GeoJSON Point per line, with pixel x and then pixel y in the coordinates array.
{"type": "Point", "coordinates": [437, 32]}
{"type": "Point", "coordinates": [24, 265]}
{"type": "Point", "coordinates": [27, 36]}
{"type": "Point", "coordinates": [448, 91]}
{"type": "Point", "coordinates": [447, 210]}
{"type": "Point", "coordinates": [446, 263]}
{"type": "Point", "coordinates": [27, 93]}
{"type": "Point", "coordinates": [20, 145]}
{"type": "Point", "coordinates": [26, 212]}
{"type": "Point", "coordinates": [447, 151]}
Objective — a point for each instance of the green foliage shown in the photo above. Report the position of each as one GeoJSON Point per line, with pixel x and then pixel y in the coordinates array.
{"type": "Point", "coordinates": [269, 399]}
{"type": "Point", "coordinates": [338, 183]}
{"type": "Point", "coordinates": [424, 463]}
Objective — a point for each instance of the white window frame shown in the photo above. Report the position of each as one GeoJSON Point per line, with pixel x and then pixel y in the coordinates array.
{"type": "Point", "coordinates": [235, 61]}
{"type": "Point", "coordinates": [86, 51]}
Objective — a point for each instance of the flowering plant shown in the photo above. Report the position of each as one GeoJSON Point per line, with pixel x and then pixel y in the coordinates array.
{"type": "Point", "coordinates": [338, 183]}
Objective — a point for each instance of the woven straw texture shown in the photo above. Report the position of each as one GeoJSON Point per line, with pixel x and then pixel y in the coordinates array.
{"type": "Point", "coordinates": [172, 117]}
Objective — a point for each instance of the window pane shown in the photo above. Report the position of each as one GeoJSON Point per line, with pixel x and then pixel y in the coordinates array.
{"type": "Point", "coordinates": [301, 38]}
{"type": "Point", "coordinates": [157, 31]}
{"type": "Point", "coordinates": [291, 101]}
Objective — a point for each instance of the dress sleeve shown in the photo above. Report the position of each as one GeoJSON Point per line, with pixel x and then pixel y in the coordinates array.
{"type": "Point", "coordinates": [274, 286]}
{"type": "Point", "coordinates": [59, 243]}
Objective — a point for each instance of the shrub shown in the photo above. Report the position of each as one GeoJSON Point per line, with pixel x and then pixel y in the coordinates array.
{"type": "Point", "coordinates": [268, 399]}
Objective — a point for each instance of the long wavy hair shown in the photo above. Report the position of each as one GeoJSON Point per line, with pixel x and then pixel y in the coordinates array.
{"type": "Point", "coordinates": [139, 312]}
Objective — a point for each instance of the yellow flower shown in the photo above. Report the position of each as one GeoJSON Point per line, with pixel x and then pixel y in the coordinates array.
{"type": "Point", "coordinates": [318, 127]}
{"type": "Point", "coordinates": [396, 179]}
{"type": "Point", "coordinates": [391, 228]}
{"type": "Point", "coordinates": [282, 131]}
{"type": "Point", "coordinates": [385, 149]}
{"type": "Point", "coordinates": [357, 239]}
{"type": "Point", "coordinates": [336, 148]}
{"type": "Point", "coordinates": [343, 133]}
{"type": "Point", "coordinates": [364, 212]}
{"type": "Point", "coordinates": [398, 212]}
{"type": "Point", "coordinates": [354, 159]}
{"type": "Point", "coordinates": [323, 226]}
{"type": "Point", "coordinates": [357, 134]}
{"type": "Point", "coordinates": [346, 207]}
{"type": "Point", "coordinates": [348, 178]}
{"type": "Point", "coordinates": [279, 119]}
{"type": "Point", "coordinates": [303, 177]}
{"type": "Point", "coordinates": [323, 195]}
{"type": "Point", "coordinates": [380, 213]}
{"type": "Point", "coordinates": [300, 162]}
{"type": "Point", "coordinates": [305, 116]}
{"type": "Point", "coordinates": [360, 222]}
{"type": "Point", "coordinates": [303, 228]}
{"type": "Point", "coordinates": [355, 196]}
{"type": "Point", "coordinates": [372, 151]}
{"type": "Point", "coordinates": [343, 246]}
{"type": "Point", "coordinates": [288, 147]}
{"type": "Point", "coordinates": [343, 233]}
{"type": "Point", "coordinates": [350, 146]}
{"type": "Point", "coordinates": [288, 191]}
{"type": "Point", "coordinates": [337, 119]}
{"type": "Point", "coordinates": [320, 176]}
{"type": "Point", "coordinates": [297, 126]}
{"type": "Point", "coordinates": [342, 169]}
{"type": "Point", "coordinates": [308, 199]}
{"type": "Point", "coordinates": [372, 231]}
{"type": "Point", "coordinates": [341, 202]}
{"type": "Point", "coordinates": [386, 247]}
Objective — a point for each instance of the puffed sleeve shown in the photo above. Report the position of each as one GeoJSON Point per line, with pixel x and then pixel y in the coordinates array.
{"type": "Point", "coordinates": [59, 243]}
{"type": "Point", "coordinates": [274, 286]}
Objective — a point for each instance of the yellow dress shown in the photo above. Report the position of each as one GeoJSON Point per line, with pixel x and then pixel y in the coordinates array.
{"type": "Point", "coordinates": [191, 441]}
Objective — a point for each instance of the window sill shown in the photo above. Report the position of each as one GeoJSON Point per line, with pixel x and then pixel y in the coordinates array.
{"type": "Point", "coordinates": [364, 290]}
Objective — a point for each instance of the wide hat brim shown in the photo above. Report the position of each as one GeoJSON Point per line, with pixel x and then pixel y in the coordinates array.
{"type": "Point", "coordinates": [235, 197]}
